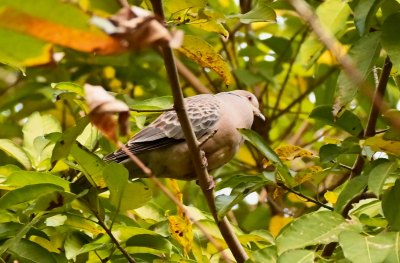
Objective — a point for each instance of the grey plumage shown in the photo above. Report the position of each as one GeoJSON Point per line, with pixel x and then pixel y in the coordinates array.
{"type": "Point", "coordinates": [161, 145]}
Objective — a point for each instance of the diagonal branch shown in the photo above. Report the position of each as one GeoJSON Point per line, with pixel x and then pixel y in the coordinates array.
{"type": "Point", "coordinates": [205, 181]}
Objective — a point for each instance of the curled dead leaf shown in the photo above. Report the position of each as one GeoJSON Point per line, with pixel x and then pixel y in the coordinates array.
{"type": "Point", "coordinates": [139, 28]}
{"type": "Point", "coordinates": [102, 107]}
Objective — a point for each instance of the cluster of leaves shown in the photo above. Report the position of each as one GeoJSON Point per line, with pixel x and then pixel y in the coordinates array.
{"type": "Point", "coordinates": [330, 197]}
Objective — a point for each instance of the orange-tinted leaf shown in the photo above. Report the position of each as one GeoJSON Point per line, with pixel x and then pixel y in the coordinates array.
{"type": "Point", "coordinates": [79, 39]}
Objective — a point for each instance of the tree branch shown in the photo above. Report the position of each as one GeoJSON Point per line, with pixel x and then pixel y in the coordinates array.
{"type": "Point", "coordinates": [205, 181]}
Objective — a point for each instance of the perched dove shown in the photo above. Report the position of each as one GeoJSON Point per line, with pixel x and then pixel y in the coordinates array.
{"type": "Point", "coordinates": [161, 145]}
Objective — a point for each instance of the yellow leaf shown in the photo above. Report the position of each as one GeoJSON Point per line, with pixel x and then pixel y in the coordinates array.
{"type": "Point", "coordinates": [331, 197]}
{"type": "Point", "coordinates": [181, 230]}
{"type": "Point", "coordinates": [290, 152]}
{"type": "Point", "coordinates": [306, 174]}
{"type": "Point", "coordinates": [277, 223]}
{"type": "Point", "coordinates": [203, 53]}
{"type": "Point", "coordinates": [378, 143]}
{"type": "Point", "coordinates": [297, 199]}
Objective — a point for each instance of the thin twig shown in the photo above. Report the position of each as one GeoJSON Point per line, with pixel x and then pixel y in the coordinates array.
{"type": "Point", "coordinates": [205, 181]}
{"type": "Point", "coordinates": [312, 87]}
{"type": "Point", "coordinates": [115, 241]}
{"type": "Point", "coordinates": [309, 199]}
{"type": "Point", "coordinates": [191, 78]}
{"type": "Point", "coordinates": [286, 79]}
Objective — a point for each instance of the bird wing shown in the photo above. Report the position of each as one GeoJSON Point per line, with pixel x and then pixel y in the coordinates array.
{"type": "Point", "coordinates": [203, 112]}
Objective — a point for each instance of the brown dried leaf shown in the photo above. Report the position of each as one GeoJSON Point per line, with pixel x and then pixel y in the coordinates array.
{"type": "Point", "coordinates": [102, 107]}
{"type": "Point", "coordinates": [140, 28]}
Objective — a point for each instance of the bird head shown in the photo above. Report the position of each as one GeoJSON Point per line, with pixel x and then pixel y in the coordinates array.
{"type": "Point", "coordinates": [252, 99]}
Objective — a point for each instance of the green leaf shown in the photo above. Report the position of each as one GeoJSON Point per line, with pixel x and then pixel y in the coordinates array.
{"type": "Point", "coordinates": [64, 145]}
{"type": "Point", "coordinates": [26, 193]}
{"type": "Point", "coordinates": [243, 188]}
{"type": "Point", "coordinates": [261, 13]}
{"type": "Point", "coordinates": [39, 148]}
{"type": "Point", "coordinates": [353, 188]}
{"type": "Point", "coordinates": [364, 54]}
{"type": "Point", "coordinates": [28, 251]}
{"type": "Point", "coordinates": [92, 166]}
{"type": "Point", "coordinates": [23, 178]}
{"type": "Point", "coordinates": [257, 141]}
{"type": "Point", "coordinates": [390, 206]}
{"type": "Point", "coordinates": [297, 256]}
{"type": "Point", "coordinates": [267, 254]}
{"type": "Point", "coordinates": [394, 253]}
{"type": "Point", "coordinates": [125, 195]}
{"type": "Point", "coordinates": [151, 241]}
{"type": "Point", "coordinates": [69, 87]}
{"type": "Point", "coordinates": [364, 13]}
{"type": "Point", "coordinates": [391, 38]}
{"type": "Point", "coordinates": [15, 151]}
{"type": "Point", "coordinates": [20, 50]}
{"type": "Point", "coordinates": [329, 152]}
{"type": "Point", "coordinates": [360, 249]}
{"type": "Point", "coordinates": [347, 121]}
{"type": "Point", "coordinates": [322, 227]}
{"type": "Point", "coordinates": [247, 77]}
{"type": "Point", "coordinates": [379, 173]}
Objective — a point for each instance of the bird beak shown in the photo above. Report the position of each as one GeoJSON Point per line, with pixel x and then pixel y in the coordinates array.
{"type": "Point", "coordinates": [258, 113]}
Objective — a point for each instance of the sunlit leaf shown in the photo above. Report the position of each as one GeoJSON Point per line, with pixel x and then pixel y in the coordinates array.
{"type": "Point", "coordinates": [19, 50]}
{"type": "Point", "coordinates": [28, 251]}
{"type": "Point", "coordinates": [203, 53]}
{"type": "Point", "coordinates": [16, 152]}
{"type": "Point", "coordinates": [321, 227]}
{"type": "Point", "coordinates": [359, 248]}
{"type": "Point", "coordinates": [23, 178]}
{"type": "Point", "coordinates": [378, 143]}
{"type": "Point", "coordinates": [38, 147]}
{"type": "Point", "coordinates": [379, 173]}
{"type": "Point", "coordinates": [297, 256]}
{"type": "Point", "coordinates": [63, 146]}
{"type": "Point", "coordinates": [92, 166]}
{"type": "Point", "coordinates": [54, 26]}
{"type": "Point", "coordinates": [261, 13]}
{"type": "Point", "coordinates": [277, 222]}
{"type": "Point", "coordinates": [26, 193]}
{"type": "Point", "coordinates": [125, 195]}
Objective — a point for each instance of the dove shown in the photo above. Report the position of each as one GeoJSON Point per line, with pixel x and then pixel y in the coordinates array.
{"type": "Point", "coordinates": [215, 120]}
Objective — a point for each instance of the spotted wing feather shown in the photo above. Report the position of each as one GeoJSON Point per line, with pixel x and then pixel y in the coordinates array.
{"type": "Point", "coordinates": [203, 112]}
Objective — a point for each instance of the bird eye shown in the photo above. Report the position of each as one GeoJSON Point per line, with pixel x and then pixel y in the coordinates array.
{"type": "Point", "coordinates": [250, 98]}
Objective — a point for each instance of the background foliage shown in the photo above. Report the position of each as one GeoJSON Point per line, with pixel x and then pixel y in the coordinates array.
{"type": "Point", "coordinates": [328, 192]}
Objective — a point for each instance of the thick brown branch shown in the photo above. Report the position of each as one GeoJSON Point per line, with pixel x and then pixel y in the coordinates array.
{"type": "Point", "coordinates": [205, 181]}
